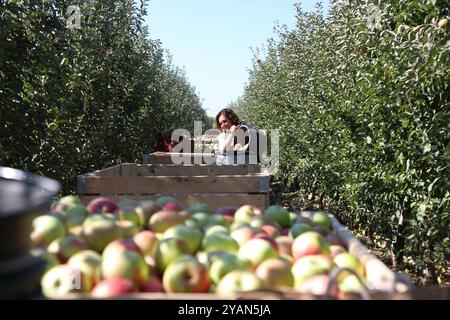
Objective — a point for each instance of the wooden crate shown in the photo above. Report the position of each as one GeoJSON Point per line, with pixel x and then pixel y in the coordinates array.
{"type": "Point", "coordinates": [217, 186]}
{"type": "Point", "coordinates": [166, 158]}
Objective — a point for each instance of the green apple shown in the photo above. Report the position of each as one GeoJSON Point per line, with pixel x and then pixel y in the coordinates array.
{"type": "Point", "coordinates": [88, 263]}
{"type": "Point", "coordinates": [238, 281]}
{"type": "Point", "coordinates": [99, 230]}
{"type": "Point", "coordinates": [347, 260]}
{"type": "Point", "coordinates": [60, 281]}
{"type": "Point", "coordinates": [210, 229]}
{"type": "Point", "coordinates": [75, 216]}
{"type": "Point", "coordinates": [256, 251]}
{"type": "Point", "coordinates": [202, 218]}
{"type": "Point", "coordinates": [223, 264]}
{"type": "Point", "coordinates": [278, 214]}
{"type": "Point", "coordinates": [275, 273]}
{"type": "Point", "coordinates": [246, 212]}
{"type": "Point", "coordinates": [321, 219]}
{"type": "Point", "coordinates": [219, 242]}
{"type": "Point", "coordinates": [67, 246]}
{"type": "Point", "coordinates": [191, 236]}
{"type": "Point", "coordinates": [309, 266]}
{"type": "Point", "coordinates": [297, 229]}
{"type": "Point", "coordinates": [186, 274]}
{"type": "Point", "coordinates": [127, 264]}
{"type": "Point", "coordinates": [162, 200]}
{"type": "Point", "coordinates": [46, 228]}
{"type": "Point", "coordinates": [168, 250]}
{"type": "Point", "coordinates": [164, 219]}
{"type": "Point", "coordinates": [199, 207]}
{"type": "Point", "coordinates": [145, 209]}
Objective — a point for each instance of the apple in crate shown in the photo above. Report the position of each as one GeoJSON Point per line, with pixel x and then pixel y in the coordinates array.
{"type": "Point", "coordinates": [219, 241]}
{"type": "Point", "coordinates": [243, 234]}
{"type": "Point", "coordinates": [246, 212]}
{"type": "Point", "coordinates": [62, 280]}
{"type": "Point", "coordinates": [278, 214]}
{"type": "Point", "coordinates": [186, 274]}
{"type": "Point", "coordinates": [67, 246]}
{"type": "Point", "coordinates": [99, 230]}
{"type": "Point", "coordinates": [145, 209]}
{"type": "Point", "coordinates": [45, 229]}
{"type": "Point", "coordinates": [113, 287]}
{"type": "Point", "coordinates": [224, 263]}
{"type": "Point", "coordinates": [146, 241]}
{"type": "Point", "coordinates": [168, 250]}
{"type": "Point", "coordinates": [101, 205]}
{"type": "Point", "coordinates": [275, 273]}
{"type": "Point", "coordinates": [309, 243]}
{"type": "Point", "coordinates": [309, 266]}
{"type": "Point", "coordinates": [191, 236]}
{"type": "Point", "coordinates": [238, 281]}
{"type": "Point", "coordinates": [88, 264]}
{"type": "Point", "coordinates": [164, 219]}
{"type": "Point", "coordinates": [256, 251]}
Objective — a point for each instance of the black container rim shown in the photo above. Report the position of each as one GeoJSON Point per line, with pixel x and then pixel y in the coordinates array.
{"type": "Point", "coordinates": [47, 184]}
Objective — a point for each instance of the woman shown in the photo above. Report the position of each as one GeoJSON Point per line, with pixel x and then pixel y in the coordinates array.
{"type": "Point", "coordinates": [229, 124]}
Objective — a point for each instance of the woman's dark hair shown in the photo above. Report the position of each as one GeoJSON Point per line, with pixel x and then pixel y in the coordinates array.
{"type": "Point", "coordinates": [230, 114]}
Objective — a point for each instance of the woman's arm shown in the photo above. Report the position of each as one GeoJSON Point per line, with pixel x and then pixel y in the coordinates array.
{"type": "Point", "coordinates": [229, 140]}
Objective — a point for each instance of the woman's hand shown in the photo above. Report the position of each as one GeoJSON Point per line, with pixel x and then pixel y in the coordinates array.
{"type": "Point", "coordinates": [234, 128]}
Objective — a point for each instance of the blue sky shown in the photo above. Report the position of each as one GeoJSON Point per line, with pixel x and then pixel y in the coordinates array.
{"type": "Point", "coordinates": [212, 40]}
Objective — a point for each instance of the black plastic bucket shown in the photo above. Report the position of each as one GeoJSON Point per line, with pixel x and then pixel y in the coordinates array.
{"type": "Point", "coordinates": [23, 196]}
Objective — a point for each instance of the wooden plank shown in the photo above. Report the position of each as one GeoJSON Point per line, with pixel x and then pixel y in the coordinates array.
{"type": "Point", "coordinates": [254, 183]}
{"type": "Point", "coordinates": [214, 200]}
{"type": "Point", "coordinates": [110, 171]}
{"type": "Point", "coordinates": [379, 276]}
{"type": "Point", "coordinates": [188, 158]}
{"type": "Point", "coordinates": [194, 170]}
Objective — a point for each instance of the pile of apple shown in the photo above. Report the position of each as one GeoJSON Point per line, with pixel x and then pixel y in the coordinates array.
{"type": "Point", "coordinates": [110, 249]}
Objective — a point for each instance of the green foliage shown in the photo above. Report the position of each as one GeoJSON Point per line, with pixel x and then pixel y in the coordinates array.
{"type": "Point", "coordinates": [74, 100]}
{"type": "Point", "coordinates": [364, 115]}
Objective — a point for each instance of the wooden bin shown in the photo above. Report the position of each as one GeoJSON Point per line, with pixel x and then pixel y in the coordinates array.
{"type": "Point", "coordinates": [166, 158]}
{"type": "Point", "coordinates": [217, 186]}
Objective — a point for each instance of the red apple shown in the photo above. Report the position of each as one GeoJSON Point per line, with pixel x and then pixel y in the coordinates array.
{"type": "Point", "coordinates": [112, 287]}
{"type": "Point", "coordinates": [101, 205]}
{"type": "Point", "coordinates": [67, 246]}
{"type": "Point", "coordinates": [284, 244]}
{"type": "Point", "coordinates": [146, 241]}
{"type": "Point", "coordinates": [226, 211]}
{"type": "Point", "coordinates": [243, 234]}
{"type": "Point", "coordinates": [309, 266]}
{"type": "Point", "coordinates": [153, 285]}
{"type": "Point", "coordinates": [318, 285]}
{"type": "Point", "coordinates": [88, 263]}
{"type": "Point", "coordinates": [268, 238]}
{"type": "Point", "coordinates": [163, 220]}
{"type": "Point", "coordinates": [309, 243]}
{"type": "Point", "coordinates": [271, 230]}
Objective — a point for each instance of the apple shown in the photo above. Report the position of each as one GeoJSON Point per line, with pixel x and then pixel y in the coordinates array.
{"type": "Point", "coordinates": [161, 201]}
{"type": "Point", "coordinates": [216, 219]}
{"type": "Point", "coordinates": [191, 236]}
{"type": "Point", "coordinates": [99, 230]}
{"type": "Point", "coordinates": [224, 263]}
{"type": "Point", "coordinates": [127, 264]}
{"type": "Point", "coordinates": [284, 244]}
{"type": "Point", "coordinates": [192, 223]}
{"type": "Point", "coordinates": [198, 207]}
{"type": "Point", "coordinates": [128, 229]}
{"type": "Point", "coordinates": [202, 218]}
{"type": "Point", "coordinates": [226, 211]}
{"type": "Point", "coordinates": [186, 274]}
{"type": "Point", "coordinates": [309, 243]}
{"type": "Point", "coordinates": [266, 237]}
{"type": "Point", "coordinates": [349, 283]}
{"type": "Point", "coordinates": [70, 201]}
{"type": "Point", "coordinates": [347, 260]}
{"type": "Point", "coordinates": [128, 214]}
{"type": "Point", "coordinates": [67, 246]}
{"type": "Point", "coordinates": [164, 219]}
{"type": "Point", "coordinates": [318, 285]}
{"type": "Point", "coordinates": [309, 266]}
{"type": "Point", "coordinates": [207, 258]}
{"type": "Point", "coordinates": [297, 229]}
{"type": "Point", "coordinates": [258, 221]}
{"type": "Point", "coordinates": [246, 212]}
{"type": "Point", "coordinates": [238, 281]}
{"type": "Point", "coordinates": [60, 281]}
{"type": "Point", "coordinates": [210, 229]}
{"type": "Point", "coordinates": [120, 245]}
{"type": "Point", "coordinates": [112, 287]}
{"type": "Point", "coordinates": [75, 216]}
{"type": "Point", "coordinates": [279, 215]}
{"type": "Point", "coordinates": [322, 219]}
{"type": "Point", "coordinates": [333, 239]}
{"type": "Point", "coordinates": [239, 224]}
{"type": "Point", "coordinates": [153, 285]}
{"type": "Point", "coordinates": [256, 251]}
{"type": "Point", "coordinates": [271, 230]}
{"type": "Point", "coordinates": [46, 228]}
{"type": "Point", "coordinates": [173, 205]}
{"type": "Point", "coordinates": [275, 273]}
{"type": "Point", "coordinates": [88, 264]}
{"type": "Point", "coordinates": [321, 230]}
{"type": "Point", "coordinates": [147, 241]}
{"type": "Point", "coordinates": [243, 234]}
{"type": "Point", "coordinates": [219, 242]}
{"type": "Point", "coordinates": [293, 217]}
{"type": "Point", "coordinates": [101, 205]}
{"type": "Point", "coordinates": [168, 250]}
{"type": "Point", "coordinates": [145, 209]}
